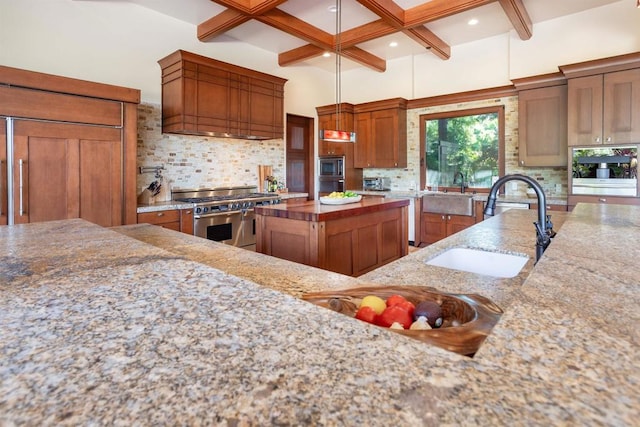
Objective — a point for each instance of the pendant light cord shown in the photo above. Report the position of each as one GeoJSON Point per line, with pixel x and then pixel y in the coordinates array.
{"type": "Point", "coordinates": [338, 62]}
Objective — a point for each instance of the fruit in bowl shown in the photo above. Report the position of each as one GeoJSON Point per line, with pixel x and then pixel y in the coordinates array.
{"type": "Point", "coordinates": [342, 194]}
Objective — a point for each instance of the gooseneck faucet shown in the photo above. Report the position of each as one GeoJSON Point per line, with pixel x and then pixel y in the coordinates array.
{"type": "Point", "coordinates": [544, 227]}
{"type": "Point", "coordinates": [455, 179]}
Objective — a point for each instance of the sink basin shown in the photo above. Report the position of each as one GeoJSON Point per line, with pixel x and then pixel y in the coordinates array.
{"type": "Point", "coordinates": [448, 203]}
{"type": "Point", "coordinates": [480, 262]}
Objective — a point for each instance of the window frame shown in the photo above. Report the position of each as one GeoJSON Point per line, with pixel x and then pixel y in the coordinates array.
{"type": "Point", "coordinates": [499, 109]}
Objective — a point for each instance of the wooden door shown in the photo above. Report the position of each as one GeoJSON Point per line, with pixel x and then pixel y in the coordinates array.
{"type": "Point", "coordinates": [300, 165]}
{"type": "Point", "coordinates": [621, 114]}
{"type": "Point", "coordinates": [4, 190]}
{"type": "Point", "coordinates": [67, 171]}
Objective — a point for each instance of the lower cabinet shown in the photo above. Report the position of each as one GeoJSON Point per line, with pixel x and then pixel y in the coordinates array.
{"type": "Point", "coordinates": [173, 219]}
{"type": "Point", "coordinates": [435, 227]}
{"type": "Point", "coordinates": [603, 200]}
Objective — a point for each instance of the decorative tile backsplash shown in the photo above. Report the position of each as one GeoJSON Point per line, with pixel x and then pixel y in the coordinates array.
{"type": "Point", "coordinates": [409, 178]}
{"type": "Point", "coordinates": [201, 162]}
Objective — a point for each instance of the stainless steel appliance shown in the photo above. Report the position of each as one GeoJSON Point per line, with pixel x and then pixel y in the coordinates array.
{"type": "Point", "coordinates": [331, 174]}
{"type": "Point", "coordinates": [376, 184]}
{"type": "Point", "coordinates": [610, 171]}
{"type": "Point", "coordinates": [225, 214]}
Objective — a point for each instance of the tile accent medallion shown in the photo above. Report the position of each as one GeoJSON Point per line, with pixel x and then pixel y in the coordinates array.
{"type": "Point", "coordinates": [202, 162]}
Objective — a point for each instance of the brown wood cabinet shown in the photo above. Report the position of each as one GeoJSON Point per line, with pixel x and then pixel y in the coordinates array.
{"type": "Point", "coordinates": [381, 134]}
{"type": "Point", "coordinates": [202, 96]}
{"type": "Point", "coordinates": [327, 120]}
{"type": "Point", "coordinates": [604, 101]}
{"type": "Point", "coordinates": [173, 219]}
{"type": "Point", "coordinates": [74, 149]}
{"type": "Point", "coordinates": [542, 120]}
{"type": "Point", "coordinates": [351, 240]}
{"type": "Point", "coordinates": [435, 227]}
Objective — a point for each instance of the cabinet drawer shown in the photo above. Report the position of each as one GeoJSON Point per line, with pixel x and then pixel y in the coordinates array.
{"type": "Point", "coordinates": [609, 200]}
{"type": "Point", "coordinates": [160, 217]}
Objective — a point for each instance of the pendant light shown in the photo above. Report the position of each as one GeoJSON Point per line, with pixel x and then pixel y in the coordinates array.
{"type": "Point", "coordinates": [337, 135]}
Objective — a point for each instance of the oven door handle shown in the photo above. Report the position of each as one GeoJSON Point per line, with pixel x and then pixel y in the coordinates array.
{"type": "Point", "coordinates": [213, 215]}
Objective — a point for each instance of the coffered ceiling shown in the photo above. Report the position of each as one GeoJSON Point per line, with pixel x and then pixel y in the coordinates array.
{"type": "Point", "coordinates": [301, 31]}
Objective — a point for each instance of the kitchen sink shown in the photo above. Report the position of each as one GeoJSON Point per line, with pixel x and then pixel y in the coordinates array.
{"type": "Point", "coordinates": [480, 262]}
{"type": "Point", "coordinates": [448, 203]}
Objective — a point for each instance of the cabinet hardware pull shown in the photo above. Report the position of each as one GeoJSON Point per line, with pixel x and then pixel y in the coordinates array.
{"type": "Point", "coordinates": [597, 139]}
{"type": "Point", "coordinates": [603, 200]}
{"type": "Point", "coordinates": [160, 214]}
{"type": "Point", "coordinates": [21, 187]}
{"type": "Point", "coordinates": [449, 217]}
{"type": "Point", "coordinates": [608, 139]}
{"type": "Point", "coordinates": [521, 162]}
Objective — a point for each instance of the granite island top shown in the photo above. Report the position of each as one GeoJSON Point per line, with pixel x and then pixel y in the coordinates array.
{"type": "Point", "coordinates": [139, 325]}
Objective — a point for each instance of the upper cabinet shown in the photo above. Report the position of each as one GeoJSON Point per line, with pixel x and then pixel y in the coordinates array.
{"type": "Point", "coordinates": [327, 119]}
{"type": "Point", "coordinates": [542, 120]}
{"type": "Point", "coordinates": [381, 134]}
{"type": "Point", "coordinates": [202, 96]}
{"type": "Point", "coordinates": [604, 101]}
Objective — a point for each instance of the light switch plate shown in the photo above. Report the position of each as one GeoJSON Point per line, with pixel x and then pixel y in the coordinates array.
{"type": "Point", "coordinates": [514, 186]}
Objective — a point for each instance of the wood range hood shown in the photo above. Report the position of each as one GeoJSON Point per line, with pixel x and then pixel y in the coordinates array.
{"type": "Point", "coordinates": [206, 97]}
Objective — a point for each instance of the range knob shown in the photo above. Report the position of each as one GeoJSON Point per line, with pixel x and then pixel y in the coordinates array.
{"type": "Point", "coordinates": [205, 209]}
{"type": "Point", "coordinates": [198, 210]}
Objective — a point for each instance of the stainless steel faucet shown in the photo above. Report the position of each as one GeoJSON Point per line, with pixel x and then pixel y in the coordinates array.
{"type": "Point", "coordinates": [462, 184]}
{"type": "Point", "coordinates": [544, 227]}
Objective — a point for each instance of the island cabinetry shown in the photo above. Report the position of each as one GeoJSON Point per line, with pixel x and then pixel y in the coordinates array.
{"type": "Point", "coordinates": [202, 96]}
{"type": "Point", "coordinates": [72, 147]}
{"type": "Point", "coordinates": [604, 101]}
{"type": "Point", "coordinates": [381, 134]}
{"type": "Point", "coordinates": [351, 239]}
{"type": "Point", "coordinates": [542, 120]}
{"type": "Point", "coordinates": [435, 226]}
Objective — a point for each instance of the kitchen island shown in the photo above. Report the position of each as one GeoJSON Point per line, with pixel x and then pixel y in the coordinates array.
{"type": "Point", "coordinates": [351, 238]}
{"type": "Point", "coordinates": [140, 325]}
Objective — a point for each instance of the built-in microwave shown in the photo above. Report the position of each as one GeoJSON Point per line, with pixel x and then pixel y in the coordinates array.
{"type": "Point", "coordinates": [331, 167]}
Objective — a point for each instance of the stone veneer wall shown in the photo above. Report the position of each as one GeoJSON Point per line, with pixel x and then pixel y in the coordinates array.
{"type": "Point", "coordinates": [406, 179]}
{"type": "Point", "coordinates": [202, 162]}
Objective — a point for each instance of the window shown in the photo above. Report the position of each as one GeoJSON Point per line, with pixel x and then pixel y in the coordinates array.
{"type": "Point", "coordinates": [464, 145]}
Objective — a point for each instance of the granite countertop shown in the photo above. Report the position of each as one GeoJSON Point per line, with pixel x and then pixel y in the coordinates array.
{"type": "Point", "coordinates": [143, 325]}
{"type": "Point", "coordinates": [416, 194]}
{"type": "Point", "coordinates": [316, 211]}
{"type": "Point", "coordinates": [173, 204]}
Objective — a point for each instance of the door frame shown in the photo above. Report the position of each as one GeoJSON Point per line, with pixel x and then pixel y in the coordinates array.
{"type": "Point", "coordinates": [309, 139]}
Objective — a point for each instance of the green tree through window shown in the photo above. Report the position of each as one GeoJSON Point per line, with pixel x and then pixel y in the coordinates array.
{"type": "Point", "coordinates": [467, 144]}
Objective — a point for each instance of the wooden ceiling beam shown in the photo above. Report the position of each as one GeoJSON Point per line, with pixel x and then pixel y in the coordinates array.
{"type": "Point", "coordinates": [519, 17]}
{"type": "Point", "coordinates": [299, 54]}
{"type": "Point", "coordinates": [365, 58]}
{"type": "Point", "coordinates": [425, 37]}
{"type": "Point", "coordinates": [438, 9]}
{"type": "Point", "coordinates": [220, 24]}
{"type": "Point", "coordinates": [388, 10]}
{"type": "Point", "coordinates": [366, 32]}
{"type": "Point", "coordinates": [250, 7]}
{"type": "Point", "coordinates": [297, 27]}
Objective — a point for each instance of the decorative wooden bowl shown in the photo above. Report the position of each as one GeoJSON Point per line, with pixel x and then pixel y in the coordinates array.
{"type": "Point", "coordinates": [467, 319]}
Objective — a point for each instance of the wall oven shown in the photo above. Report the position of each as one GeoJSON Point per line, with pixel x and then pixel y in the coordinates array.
{"type": "Point", "coordinates": [606, 171]}
{"type": "Point", "coordinates": [331, 174]}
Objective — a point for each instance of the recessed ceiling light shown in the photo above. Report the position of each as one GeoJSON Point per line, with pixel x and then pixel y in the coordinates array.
{"type": "Point", "coordinates": [326, 54]}
{"type": "Point", "coordinates": [393, 44]}
{"type": "Point", "coordinates": [473, 21]}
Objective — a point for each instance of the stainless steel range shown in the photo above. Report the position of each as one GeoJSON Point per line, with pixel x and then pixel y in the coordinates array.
{"type": "Point", "coordinates": [225, 214]}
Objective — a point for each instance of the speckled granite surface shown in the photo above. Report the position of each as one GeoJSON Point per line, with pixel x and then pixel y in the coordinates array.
{"type": "Point", "coordinates": [101, 328]}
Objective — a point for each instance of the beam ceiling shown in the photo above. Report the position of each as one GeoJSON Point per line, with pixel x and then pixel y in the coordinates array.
{"type": "Point", "coordinates": [392, 19]}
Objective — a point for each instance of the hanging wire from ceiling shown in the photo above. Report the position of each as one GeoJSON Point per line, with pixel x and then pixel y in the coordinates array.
{"type": "Point", "coordinates": [338, 50]}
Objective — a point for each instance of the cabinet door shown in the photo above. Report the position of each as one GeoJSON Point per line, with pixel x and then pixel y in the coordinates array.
{"type": "Point", "coordinates": [215, 98]}
{"type": "Point", "coordinates": [186, 221]}
{"type": "Point", "coordinates": [621, 114]}
{"type": "Point", "coordinates": [67, 171]}
{"type": "Point", "coordinates": [585, 102]}
{"type": "Point", "coordinates": [542, 120]}
{"type": "Point", "coordinates": [433, 227]}
{"type": "Point", "coordinates": [389, 138]}
{"type": "Point", "coordinates": [457, 223]}
{"type": "Point", "coordinates": [4, 191]}
{"type": "Point", "coordinates": [362, 153]}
